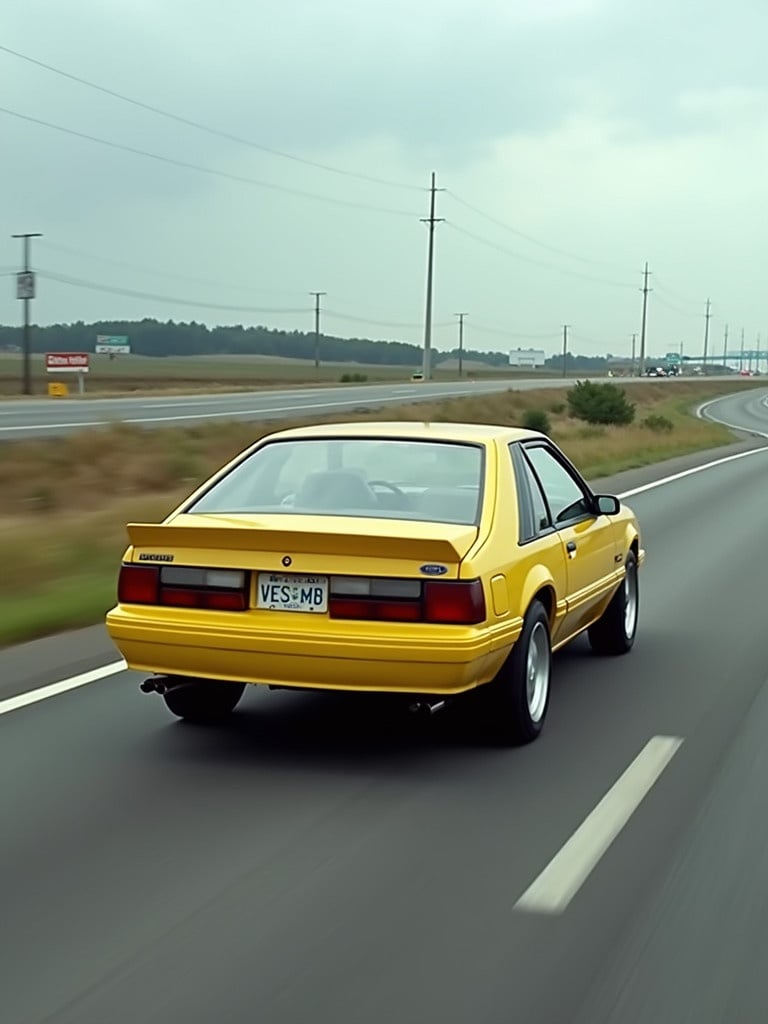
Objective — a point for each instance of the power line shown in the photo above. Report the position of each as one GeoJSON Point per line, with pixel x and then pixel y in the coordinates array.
{"type": "Point", "coordinates": [187, 165]}
{"type": "Point", "coordinates": [528, 238]}
{"type": "Point", "coordinates": [150, 296]}
{"type": "Point", "coordinates": [207, 128]}
{"type": "Point", "coordinates": [673, 293]}
{"type": "Point", "coordinates": [155, 272]}
{"type": "Point", "coordinates": [671, 306]}
{"type": "Point", "coordinates": [379, 323]}
{"type": "Point", "coordinates": [485, 329]}
{"type": "Point", "coordinates": [131, 293]}
{"type": "Point", "coordinates": [533, 262]}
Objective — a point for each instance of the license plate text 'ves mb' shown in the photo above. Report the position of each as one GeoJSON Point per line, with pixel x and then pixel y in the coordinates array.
{"type": "Point", "coordinates": [291, 593]}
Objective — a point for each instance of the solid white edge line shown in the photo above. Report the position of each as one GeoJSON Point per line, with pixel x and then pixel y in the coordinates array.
{"type": "Point", "coordinates": [561, 879]}
{"type": "Point", "coordinates": [33, 696]}
{"type": "Point", "coordinates": [690, 472]}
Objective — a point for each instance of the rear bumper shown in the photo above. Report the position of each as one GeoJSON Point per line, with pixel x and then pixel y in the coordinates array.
{"type": "Point", "coordinates": [356, 656]}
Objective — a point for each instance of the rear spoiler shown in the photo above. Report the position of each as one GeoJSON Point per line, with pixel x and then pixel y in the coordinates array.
{"type": "Point", "coordinates": [425, 542]}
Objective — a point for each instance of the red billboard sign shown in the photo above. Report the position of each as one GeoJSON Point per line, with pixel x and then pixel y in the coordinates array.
{"type": "Point", "coordinates": [67, 362]}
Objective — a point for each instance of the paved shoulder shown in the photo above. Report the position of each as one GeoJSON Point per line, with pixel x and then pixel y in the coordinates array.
{"type": "Point", "coordinates": [29, 666]}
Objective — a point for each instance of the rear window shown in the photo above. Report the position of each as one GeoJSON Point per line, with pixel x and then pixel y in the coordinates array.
{"type": "Point", "coordinates": [417, 480]}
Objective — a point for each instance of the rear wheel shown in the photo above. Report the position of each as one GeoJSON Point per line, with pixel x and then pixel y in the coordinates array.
{"type": "Point", "coordinates": [518, 698]}
{"type": "Point", "coordinates": [614, 632]}
{"type": "Point", "coordinates": [203, 702]}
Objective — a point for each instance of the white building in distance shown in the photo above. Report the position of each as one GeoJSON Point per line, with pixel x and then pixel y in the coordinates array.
{"type": "Point", "coordinates": [530, 357]}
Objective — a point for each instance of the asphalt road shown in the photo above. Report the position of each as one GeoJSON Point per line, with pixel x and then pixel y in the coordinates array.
{"type": "Point", "coordinates": [49, 417]}
{"type": "Point", "coordinates": [321, 859]}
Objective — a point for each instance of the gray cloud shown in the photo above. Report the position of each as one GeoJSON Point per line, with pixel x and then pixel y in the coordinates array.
{"type": "Point", "coordinates": [604, 128]}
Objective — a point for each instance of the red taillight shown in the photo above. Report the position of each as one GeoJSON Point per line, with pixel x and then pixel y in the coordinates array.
{"type": "Point", "coordinates": [181, 598]}
{"type": "Point", "coordinates": [138, 584]}
{"type": "Point", "coordinates": [215, 600]}
{"type": "Point", "coordinates": [143, 584]}
{"type": "Point", "coordinates": [219, 600]}
{"type": "Point", "coordinates": [365, 608]}
{"type": "Point", "coordinates": [457, 603]}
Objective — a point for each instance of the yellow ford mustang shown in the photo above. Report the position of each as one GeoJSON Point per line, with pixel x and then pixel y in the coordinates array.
{"type": "Point", "coordinates": [426, 559]}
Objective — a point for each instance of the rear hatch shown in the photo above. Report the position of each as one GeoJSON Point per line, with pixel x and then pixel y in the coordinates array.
{"type": "Point", "coordinates": [342, 567]}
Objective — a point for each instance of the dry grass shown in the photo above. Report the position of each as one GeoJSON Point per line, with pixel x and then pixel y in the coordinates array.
{"type": "Point", "coordinates": [64, 502]}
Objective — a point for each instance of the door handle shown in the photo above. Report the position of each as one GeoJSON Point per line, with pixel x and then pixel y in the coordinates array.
{"type": "Point", "coordinates": [570, 547]}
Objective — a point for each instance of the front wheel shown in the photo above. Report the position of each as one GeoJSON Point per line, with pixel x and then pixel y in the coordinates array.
{"type": "Point", "coordinates": [614, 632]}
{"type": "Point", "coordinates": [203, 702]}
{"type": "Point", "coordinates": [518, 698]}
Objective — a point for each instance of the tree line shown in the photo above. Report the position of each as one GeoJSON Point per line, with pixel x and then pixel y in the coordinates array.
{"type": "Point", "coordinates": [154, 338]}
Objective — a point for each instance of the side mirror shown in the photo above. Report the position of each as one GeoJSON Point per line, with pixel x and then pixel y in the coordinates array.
{"type": "Point", "coordinates": [607, 505]}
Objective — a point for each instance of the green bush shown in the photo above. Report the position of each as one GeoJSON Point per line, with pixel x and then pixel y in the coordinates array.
{"type": "Point", "coordinates": [557, 408]}
{"type": "Point", "coordinates": [658, 424]}
{"type": "Point", "coordinates": [600, 403]}
{"type": "Point", "coordinates": [536, 419]}
{"type": "Point", "coordinates": [353, 378]}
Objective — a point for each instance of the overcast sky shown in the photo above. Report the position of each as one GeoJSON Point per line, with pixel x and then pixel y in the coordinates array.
{"type": "Point", "coordinates": [576, 139]}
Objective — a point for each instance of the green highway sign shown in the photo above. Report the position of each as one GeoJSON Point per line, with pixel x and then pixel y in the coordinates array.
{"type": "Point", "coordinates": [114, 344]}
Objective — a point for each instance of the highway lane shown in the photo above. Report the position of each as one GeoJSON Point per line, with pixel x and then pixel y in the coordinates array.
{"type": "Point", "coordinates": [49, 417]}
{"type": "Point", "coordinates": [321, 859]}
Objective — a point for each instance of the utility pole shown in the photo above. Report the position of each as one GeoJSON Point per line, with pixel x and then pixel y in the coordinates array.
{"type": "Point", "coordinates": [317, 326]}
{"type": "Point", "coordinates": [741, 354]}
{"type": "Point", "coordinates": [431, 220]}
{"type": "Point", "coordinates": [565, 349]}
{"type": "Point", "coordinates": [461, 338]}
{"type": "Point", "coordinates": [707, 315]}
{"type": "Point", "coordinates": [645, 291]}
{"type": "Point", "coordinates": [725, 347]}
{"type": "Point", "coordinates": [634, 342]}
{"type": "Point", "coordinates": [25, 290]}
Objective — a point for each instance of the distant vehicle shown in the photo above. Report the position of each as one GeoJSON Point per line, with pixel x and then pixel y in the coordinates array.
{"type": "Point", "coordinates": [655, 371]}
{"type": "Point", "coordinates": [417, 376]}
{"type": "Point", "coordinates": [420, 559]}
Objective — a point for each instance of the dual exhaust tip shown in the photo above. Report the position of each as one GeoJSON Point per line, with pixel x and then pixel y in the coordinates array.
{"type": "Point", "coordinates": [163, 685]}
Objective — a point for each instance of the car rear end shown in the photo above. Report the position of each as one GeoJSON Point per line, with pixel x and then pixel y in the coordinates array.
{"type": "Point", "coordinates": [317, 621]}
{"type": "Point", "coordinates": [357, 602]}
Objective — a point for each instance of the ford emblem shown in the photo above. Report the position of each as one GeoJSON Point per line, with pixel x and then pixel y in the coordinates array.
{"type": "Point", "coordinates": [433, 570]}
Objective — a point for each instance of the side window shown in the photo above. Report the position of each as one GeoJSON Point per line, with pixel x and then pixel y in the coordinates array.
{"type": "Point", "coordinates": [565, 497]}
{"type": "Point", "coordinates": [532, 508]}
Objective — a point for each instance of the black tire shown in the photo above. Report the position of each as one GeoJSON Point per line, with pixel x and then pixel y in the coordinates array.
{"type": "Point", "coordinates": [203, 702]}
{"type": "Point", "coordinates": [515, 713]}
{"type": "Point", "coordinates": [614, 632]}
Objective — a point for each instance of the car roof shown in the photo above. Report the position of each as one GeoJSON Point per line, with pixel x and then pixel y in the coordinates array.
{"type": "Point", "coordinates": [478, 433]}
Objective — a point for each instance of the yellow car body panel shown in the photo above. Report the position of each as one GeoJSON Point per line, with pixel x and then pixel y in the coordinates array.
{"type": "Point", "coordinates": [287, 648]}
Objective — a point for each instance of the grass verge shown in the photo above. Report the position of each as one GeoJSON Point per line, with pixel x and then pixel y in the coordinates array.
{"type": "Point", "coordinates": [64, 502]}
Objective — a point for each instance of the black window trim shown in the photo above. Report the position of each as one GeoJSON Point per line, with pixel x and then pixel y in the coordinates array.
{"type": "Point", "coordinates": [574, 474]}
{"type": "Point", "coordinates": [525, 500]}
{"type": "Point", "coordinates": [269, 440]}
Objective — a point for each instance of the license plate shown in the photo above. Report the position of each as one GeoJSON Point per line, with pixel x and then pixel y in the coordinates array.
{"type": "Point", "coordinates": [290, 593]}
